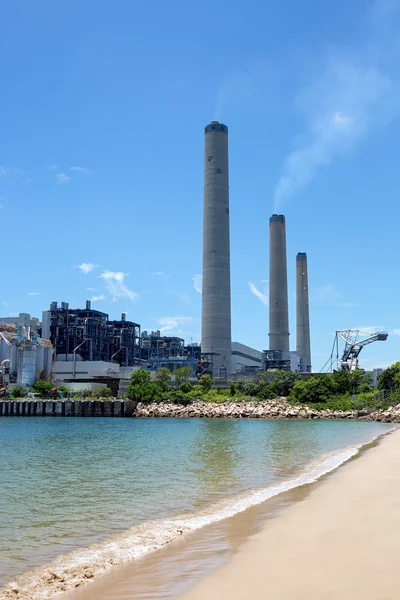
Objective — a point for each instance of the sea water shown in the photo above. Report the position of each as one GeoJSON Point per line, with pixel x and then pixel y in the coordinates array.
{"type": "Point", "coordinates": [104, 491]}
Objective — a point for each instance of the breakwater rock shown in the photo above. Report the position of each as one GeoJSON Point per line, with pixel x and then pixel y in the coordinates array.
{"type": "Point", "coordinates": [279, 408]}
{"type": "Point", "coordinates": [388, 415]}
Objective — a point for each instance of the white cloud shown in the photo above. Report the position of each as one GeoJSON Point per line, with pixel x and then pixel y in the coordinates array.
{"type": "Point", "coordinates": [62, 178]}
{"type": "Point", "coordinates": [197, 283]}
{"type": "Point", "coordinates": [96, 298]}
{"type": "Point", "coordinates": [86, 268]}
{"type": "Point", "coordinates": [35, 294]}
{"type": "Point", "coordinates": [173, 324]}
{"type": "Point", "coordinates": [395, 332]}
{"type": "Point", "coordinates": [351, 305]}
{"type": "Point", "coordinates": [7, 171]}
{"type": "Point", "coordinates": [258, 293]}
{"type": "Point", "coordinates": [159, 273]}
{"type": "Point", "coordinates": [355, 94]}
{"type": "Point", "coordinates": [91, 289]}
{"type": "Point", "coordinates": [117, 275]}
{"type": "Point", "coordinates": [80, 169]}
{"type": "Point", "coordinates": [116, 287]}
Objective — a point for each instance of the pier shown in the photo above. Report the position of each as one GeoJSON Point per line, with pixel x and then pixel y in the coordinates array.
{"type": "Point", "coordinates": [67, 408]}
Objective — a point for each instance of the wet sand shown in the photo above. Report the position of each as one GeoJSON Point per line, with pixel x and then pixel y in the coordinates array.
{"type": "Point", "coordinates": [341, 542]}
{"type": "Point", "coordinates": [178, 566]}
{"type": "Point", "coordinates": [254, 554]}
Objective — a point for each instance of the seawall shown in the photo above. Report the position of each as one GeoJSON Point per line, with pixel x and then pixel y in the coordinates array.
{"type": "Point", "coordinates": [278, 408]}
{"type": "Point", "coordinates": [67, 408]}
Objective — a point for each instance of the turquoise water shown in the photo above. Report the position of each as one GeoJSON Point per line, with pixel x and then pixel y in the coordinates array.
{"type": "Point", "coordinates": [69, 483]}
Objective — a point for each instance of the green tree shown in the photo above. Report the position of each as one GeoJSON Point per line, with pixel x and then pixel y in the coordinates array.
{"type": "Point", "coordinates": [140, 376]}
{"type": "Point", "coordinates": [16, 392]}
{"type": "Point", "coordinates": [163, 377]}
{"type": "Point", "coordinates": [348, 382]}
{"type": "Point", "coordinates": [283, 382]}
{"type": "Point", "coordinates": [314, 389]}
{"type": "Point", "coordinates": [389, 380]}
{"type": "Point", "coordinates": [141, 388]}
{"type": "Point", "coordinates": [206, 383]}
{"type": "Point", "coordinates": [182, 374]}
{"type": "Point", "coordinates": [42, 386]}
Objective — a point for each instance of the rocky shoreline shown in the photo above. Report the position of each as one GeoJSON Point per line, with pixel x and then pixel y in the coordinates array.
{"type": "Point", "coordinates": [279, 408]}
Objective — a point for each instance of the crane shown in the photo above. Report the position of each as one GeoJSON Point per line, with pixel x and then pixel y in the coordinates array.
{"type": "Point", "coordinates": [352, 348]}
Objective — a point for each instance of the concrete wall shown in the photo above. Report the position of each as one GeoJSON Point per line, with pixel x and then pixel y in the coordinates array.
{"type": "Point", "coordinates": [67, 408]}
{"type": "Point", "coordinates": [216, 286]}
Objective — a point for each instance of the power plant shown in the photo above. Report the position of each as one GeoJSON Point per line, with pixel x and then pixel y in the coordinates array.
{"type": "Point", "coordinates": [216, 285]}
{"type": "Point", "coordinates": [82, 346]}
{"type": "Point", "coordinates": [303, 346]}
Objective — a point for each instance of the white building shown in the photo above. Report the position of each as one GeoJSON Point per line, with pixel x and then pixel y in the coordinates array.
{"type": "Point", "coordinates": [24, 320]}
{"type": "Point", "coordinates": [91, 374]}
{"type": "Point", "coordinates": [245, 358]}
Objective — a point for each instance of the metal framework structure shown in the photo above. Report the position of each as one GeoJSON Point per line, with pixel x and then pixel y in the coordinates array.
{"type": "Point", "coordinates": [156, 347]}
{"type": "Point", "coordinates": [348, 360]}
{"type": "Point", "coordinates": [273, 359]}
{"type": "Point", "coordinates": [90, 334]}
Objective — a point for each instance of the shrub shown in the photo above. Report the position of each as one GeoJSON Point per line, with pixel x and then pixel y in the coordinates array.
{"type": "Point", "coordinates": [185, 387]}
{"type": "Point", "coordinates": [206, 383]}
{"type": "Point", "coordinates": [16, 392]}
{"type": "Point", "coordinates": [42, 386]}
{"type": "Point", "coordinates": [104, 392]}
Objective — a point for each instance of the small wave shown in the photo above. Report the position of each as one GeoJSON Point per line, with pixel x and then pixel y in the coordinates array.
{"type": "Point", "coordinates": [72, 570]}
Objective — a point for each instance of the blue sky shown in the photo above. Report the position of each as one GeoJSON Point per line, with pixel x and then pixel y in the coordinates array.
{"type": "Point", "coordinates": [102, 110]}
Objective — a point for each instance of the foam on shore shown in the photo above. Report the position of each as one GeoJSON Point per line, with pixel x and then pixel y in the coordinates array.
{"type": "Point", "coordinates": [74, 569]}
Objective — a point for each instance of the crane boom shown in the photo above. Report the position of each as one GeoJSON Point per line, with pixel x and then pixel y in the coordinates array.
{"type": "Point", "coordinates": [353, 347]}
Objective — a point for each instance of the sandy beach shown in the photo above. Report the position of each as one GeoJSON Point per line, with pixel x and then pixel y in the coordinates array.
{"type": "Point", "coordinates": [341, 542]}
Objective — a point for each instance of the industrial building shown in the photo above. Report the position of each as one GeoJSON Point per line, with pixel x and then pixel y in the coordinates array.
{"type": "Point", "coordinates": [23, 320]}
{"type": "Point", "coordinates": [216, 283]}
{"type": "Point", "coordinates": [24, 356]}
{"type": "Point", "coordinates": [156, 346]}
{"type": "Point", "coordinates": [87, 334]}
{"type": "Point", "coordinates": [245, 359]}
